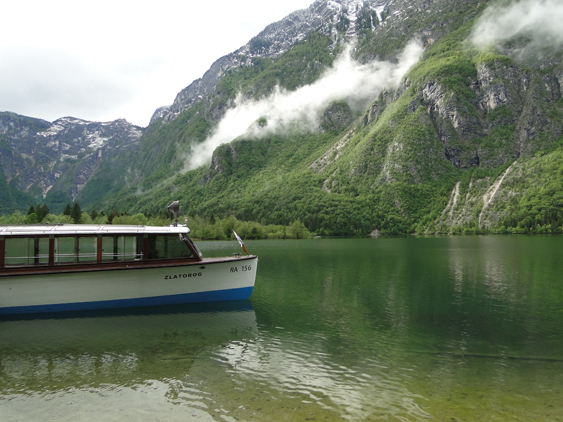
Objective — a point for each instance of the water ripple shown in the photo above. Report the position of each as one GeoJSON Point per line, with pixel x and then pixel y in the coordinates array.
{"type": "Point", "coordinates": [304, 368]}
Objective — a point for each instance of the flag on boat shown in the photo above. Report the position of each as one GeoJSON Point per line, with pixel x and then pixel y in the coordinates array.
{"type": "Point", "coordinates": [241, 242]}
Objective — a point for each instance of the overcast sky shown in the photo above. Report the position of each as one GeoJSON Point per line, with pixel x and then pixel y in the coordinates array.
{"type": "Point", "coordinates": [103, 60]}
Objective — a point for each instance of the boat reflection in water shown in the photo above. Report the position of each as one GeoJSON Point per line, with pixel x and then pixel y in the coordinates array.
{"type": "Point", "coordinates": [186, 362]}
{"type": "Point", "coordinates": [111, 359]}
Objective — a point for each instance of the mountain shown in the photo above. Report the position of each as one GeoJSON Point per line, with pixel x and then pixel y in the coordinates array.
{"type": "Point", "coordinates": [54, 161]}
{"type": "Point", "coordinates": [423, 128]}
{"type": "Point", "coordinates": [275, 40]}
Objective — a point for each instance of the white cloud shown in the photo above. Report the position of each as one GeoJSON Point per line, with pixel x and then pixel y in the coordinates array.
{"type": "Point", "coordinates": [347, 80]}
{"type": "Point", "coordinates": [112, 59]}
{"type": "Point", "coordinates": [541, 22]}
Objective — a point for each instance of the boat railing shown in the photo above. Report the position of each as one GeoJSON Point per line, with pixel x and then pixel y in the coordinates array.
{"type": "Point", "coordinates": [121, 256]}
{"type": "Point", "coordinates": [106, 256]}
{"type": "Point", "coordinates": [26, 261]}
{"type": "Point", "coordinates": [63, 258]}
{"type": "Point", "coordinates": [68, 258]}
{"type": "Point", "coordinates": [80, 255]}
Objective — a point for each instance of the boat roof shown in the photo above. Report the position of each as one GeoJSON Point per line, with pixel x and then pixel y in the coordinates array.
{"type": "Point", "coordinates": [87, 229]}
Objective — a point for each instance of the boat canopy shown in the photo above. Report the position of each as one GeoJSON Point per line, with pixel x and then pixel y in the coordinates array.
{"type": "Point", "coordinates": [88, 229]}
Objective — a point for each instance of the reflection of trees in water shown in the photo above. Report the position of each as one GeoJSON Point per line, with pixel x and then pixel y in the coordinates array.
{"type": "Point", "coordinates": [499, 306]}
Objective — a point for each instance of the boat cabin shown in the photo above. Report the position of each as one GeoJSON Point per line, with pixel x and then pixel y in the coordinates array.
{"type": "Point", "coordinates": [62, 245]}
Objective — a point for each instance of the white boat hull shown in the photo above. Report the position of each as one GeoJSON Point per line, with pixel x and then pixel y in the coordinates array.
{"type": "Point", "coordinates": [205, 281]}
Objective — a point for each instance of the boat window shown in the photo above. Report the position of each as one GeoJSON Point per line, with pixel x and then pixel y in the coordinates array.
{"type": "Point", "coordinates": [167, 247]}
{"type": "Point", "coordinates": [65, 250]}
{"type": "Point", "coordinates": [122, 248]}
{"type": "Point", "coordinates": [71, 249]}
{"type": "Point", "coordinates": [87, 249]}
{"type": "Point", "coordinates": [27, 251]}
{"type": "Point", "coordinates": [108, 246]}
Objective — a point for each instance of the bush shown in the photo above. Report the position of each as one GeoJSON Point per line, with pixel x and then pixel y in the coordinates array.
{"type": "Point", "coordinates": [137, 219]}
{"type": "Point", "coordinates": [58, 219]}
{"type": "Point", "coordinates": [86, 219]}
{"type": "Point", "coordinates": [297, 230]}
{"type": "Point", "coordinates": [101, 219]}
{"type": "Point", "coordinates": [31, 219]}
{"type": "Point", "coordinates": [15, 218]}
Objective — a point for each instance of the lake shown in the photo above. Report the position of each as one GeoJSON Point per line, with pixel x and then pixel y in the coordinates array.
{"type": "Point", "coordinates": [389, 329]}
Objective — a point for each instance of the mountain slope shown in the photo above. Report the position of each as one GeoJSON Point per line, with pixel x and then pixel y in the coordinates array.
{"type": "Point", "coordinates": [393, 169]}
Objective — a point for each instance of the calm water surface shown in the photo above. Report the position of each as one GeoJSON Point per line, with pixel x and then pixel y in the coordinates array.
{"type": "Point", "coordinates": [392, 329]}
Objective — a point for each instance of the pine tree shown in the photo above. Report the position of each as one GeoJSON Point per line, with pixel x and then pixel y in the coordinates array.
{"type": "Point", "coordinates": [76, 213]}
{"type": "Point", "coordinates": [42, 211]}
{"type": "Point", "coordinates": [67, 210]}
{"type": "Point", "coordinates": [112, 215]}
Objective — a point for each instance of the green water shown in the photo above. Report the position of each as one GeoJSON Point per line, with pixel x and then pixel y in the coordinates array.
{"type": "Point", "coordinates": [391, 329]}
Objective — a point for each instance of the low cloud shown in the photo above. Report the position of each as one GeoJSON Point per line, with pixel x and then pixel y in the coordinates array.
{"type": "Point", "coordinates": [299, 110]}
{"type": "Point", "coordinates": [538, 23]}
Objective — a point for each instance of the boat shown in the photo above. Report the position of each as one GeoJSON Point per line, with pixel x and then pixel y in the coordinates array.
{"type": "Point", "coordinates": [70, 267]}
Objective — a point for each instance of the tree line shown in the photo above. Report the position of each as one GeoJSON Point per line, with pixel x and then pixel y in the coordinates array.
{"type": "Point", "coordinates": [205, 228]}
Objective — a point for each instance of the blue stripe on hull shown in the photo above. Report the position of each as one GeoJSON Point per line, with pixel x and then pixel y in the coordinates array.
{"type": "Point", "coordinates": [213, 296]}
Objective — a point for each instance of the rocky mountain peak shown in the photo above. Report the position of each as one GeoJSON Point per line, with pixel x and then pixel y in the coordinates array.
{"type": "Point", "coordinates": [277, 38]}
{"type": "Point", "coordinates": [35, 154]}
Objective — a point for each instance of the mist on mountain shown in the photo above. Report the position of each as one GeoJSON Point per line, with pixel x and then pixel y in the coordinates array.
{"type": "Point", "coordinates": [286, 112]}
{"type": "Point", "coordinates": [535, 25]}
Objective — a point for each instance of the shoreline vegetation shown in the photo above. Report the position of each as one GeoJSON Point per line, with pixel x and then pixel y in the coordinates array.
{"type": "Point", "coordinates": [200, 228]}
{"type": "Point", "coordinates": [212, 228]}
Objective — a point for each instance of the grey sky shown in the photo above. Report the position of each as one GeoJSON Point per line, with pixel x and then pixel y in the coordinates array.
{"type": "Point", "coordinates": [105, 60]}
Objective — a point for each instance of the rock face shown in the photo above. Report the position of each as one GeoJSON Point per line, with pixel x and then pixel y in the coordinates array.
{"type": "Point", "coordinates": [336, 116]}
{"type": "Point", "coordinates": [159, 113]}
{"type": "Point", "coordinates": [322, 16]}
{"type": "Point", "coordinates": [503, 98]}
{"type": "Point", "coordinates": [483, 202]}
{"type": "Point", "coordinates": [499, 113]}
{"type": "Point", "coordinates": [35, 155]}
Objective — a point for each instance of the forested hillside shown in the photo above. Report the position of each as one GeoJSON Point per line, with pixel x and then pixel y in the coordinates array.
{"type": "Point", "coordinates": [432, 129]}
